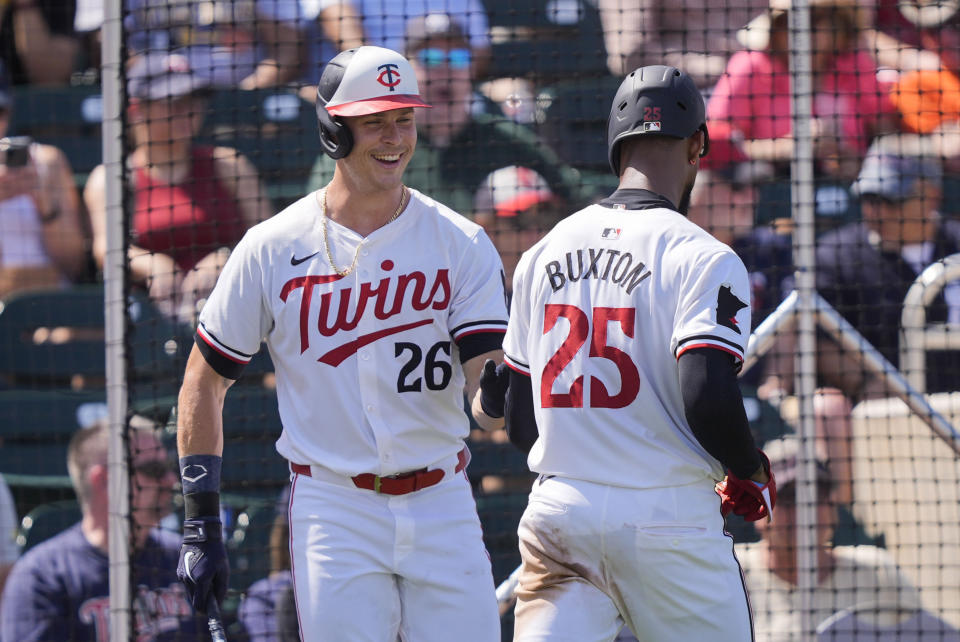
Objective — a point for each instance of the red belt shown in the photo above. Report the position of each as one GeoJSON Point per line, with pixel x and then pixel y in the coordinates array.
{"type": "Point", "coordinates": [397, 484]}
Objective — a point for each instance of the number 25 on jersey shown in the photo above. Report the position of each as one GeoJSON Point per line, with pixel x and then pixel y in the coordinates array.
{"type": "Point", "coordinates": [580, 330]}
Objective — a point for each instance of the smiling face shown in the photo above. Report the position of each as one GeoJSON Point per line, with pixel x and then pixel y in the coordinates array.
{"type": "Point", "coordinates": [383, 144]}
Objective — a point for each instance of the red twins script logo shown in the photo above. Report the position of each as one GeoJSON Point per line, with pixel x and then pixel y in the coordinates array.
{"type": "Point", "coordinates": [389, 75]}
{"type": "Point", "coordinates": [389, 297]}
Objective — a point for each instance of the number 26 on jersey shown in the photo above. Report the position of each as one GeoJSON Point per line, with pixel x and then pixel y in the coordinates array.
{"type": "Point", "coordinates": [582, 328]}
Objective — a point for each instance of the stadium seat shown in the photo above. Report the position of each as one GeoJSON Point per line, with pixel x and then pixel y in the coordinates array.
{"type": "Point", "coordinates": [950, 203]}
{"type": "Point", "coordinates": [491, 458]}
{"type": "Point", "coordinates": [47, 414]}
{"type": "Point", "coordinates": [45, 521]}
{"type": "Point", "coordinates": [570, 122]}
{"type": "Point", "coordinates": [835, 205]}
{"type": "Point", "coordinates": [55, 338]}
{"type": "Point", "coordinates": [545, 40]}
{"type": "Point", "coordinates": [67, 117]}
{"type": "Point", "coordinates": [251, 411]}
{"type": "Point", "coordinates": [499, 516]}
{"type": "Point", "coordinates": [248, 544]}
{"type": "Point", "coordinates": [274, 128]}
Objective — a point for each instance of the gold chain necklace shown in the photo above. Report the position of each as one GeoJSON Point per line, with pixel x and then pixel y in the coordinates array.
{"type": "Point", "coordinates": [404, 193]}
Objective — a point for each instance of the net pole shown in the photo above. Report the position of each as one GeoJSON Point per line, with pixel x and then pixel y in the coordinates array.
{"type": "Point", "coordinates": [802, 198]}
{"type": "Point", "coordinates": [115, 322]}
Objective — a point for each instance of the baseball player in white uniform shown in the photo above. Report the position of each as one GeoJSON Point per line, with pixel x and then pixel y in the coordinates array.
{"type": "Point", "coordinates": [628, 325]}
{"type": "Point", "coordinates": [378, 306]}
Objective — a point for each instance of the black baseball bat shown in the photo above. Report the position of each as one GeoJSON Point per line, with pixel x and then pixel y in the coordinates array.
{"type": "Point", "coordinates": [214, 623]}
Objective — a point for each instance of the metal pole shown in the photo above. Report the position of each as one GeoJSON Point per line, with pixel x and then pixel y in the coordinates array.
{"type": "Point", "coordinates": [778, 322]}
{"type": "Point", "coordinates": [783, 319]}
{"type": "Point", "coordinates": [802, 198]}
{"type": "Point", "coordinates": [114, 315]}
{"type": "Point", "coordinates": [871, 358]}
{"type": "Point", "coordinates": [916, 337]}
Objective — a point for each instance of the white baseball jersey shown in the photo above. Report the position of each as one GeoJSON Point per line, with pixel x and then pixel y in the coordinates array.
{"type": "Point", "coordinates": [603, 306]}
{"type": "Point", "coordinates": [368, 366]}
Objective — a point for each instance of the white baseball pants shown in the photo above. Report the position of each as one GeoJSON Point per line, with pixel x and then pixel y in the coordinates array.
{"type": "Point", "coordinates": [596, 557]}
{"type": "Point", "coordinates": [374, 568]}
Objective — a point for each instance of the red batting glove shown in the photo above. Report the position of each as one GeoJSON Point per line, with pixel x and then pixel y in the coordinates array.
{"type": "Point", "coordinates": [748, 498]}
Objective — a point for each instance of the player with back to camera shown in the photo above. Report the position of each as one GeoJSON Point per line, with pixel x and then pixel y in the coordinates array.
{"type": "Point", "coordinates": [378, 306]}
{"type": "Point", "coordinates": [627, 329]}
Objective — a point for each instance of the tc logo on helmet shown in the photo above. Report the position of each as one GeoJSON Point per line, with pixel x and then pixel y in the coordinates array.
{"type": "Point", "coordinates": [389, 75]}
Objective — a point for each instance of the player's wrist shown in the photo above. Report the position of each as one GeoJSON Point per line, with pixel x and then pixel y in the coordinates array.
{"type": "Point", "coordinates": [198, 531]}
{"type": "Point", "coordinates": [200, 479]}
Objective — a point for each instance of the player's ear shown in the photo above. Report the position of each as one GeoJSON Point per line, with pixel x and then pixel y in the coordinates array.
{"type": "Point", "coordinates": [97, 478]}
{"type": "Point", "coordinates": [695, 146]}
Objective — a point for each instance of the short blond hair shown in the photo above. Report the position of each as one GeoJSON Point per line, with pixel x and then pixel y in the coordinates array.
{"type": "Point", "coordinates": [88, 448]}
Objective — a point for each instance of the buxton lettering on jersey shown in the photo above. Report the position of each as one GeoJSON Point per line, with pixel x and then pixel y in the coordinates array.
{"type": "Point", "coordinates": [389, 296]}
{"type": "Point", "coordinates": [616, 267]}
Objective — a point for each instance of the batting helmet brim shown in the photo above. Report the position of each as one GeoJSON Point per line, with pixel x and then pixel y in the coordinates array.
{"type": "Point", "coordinates": [376, 105]}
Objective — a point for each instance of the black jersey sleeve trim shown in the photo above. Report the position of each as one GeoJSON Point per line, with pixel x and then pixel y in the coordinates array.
{"type": "Point", "coordinates": [710, 337]}
{"type": "Point", "coordinates": [485, 323]}
{"type": "Point", "coordinates": [221, 364]}
{"type": "Point", "coordinates": [474, 344]}
{"type": "Point", "coordinates": [224, 345]}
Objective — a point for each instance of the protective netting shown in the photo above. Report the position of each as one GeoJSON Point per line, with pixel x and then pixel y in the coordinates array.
{"type": "Point", "coordinates": [841, 168]}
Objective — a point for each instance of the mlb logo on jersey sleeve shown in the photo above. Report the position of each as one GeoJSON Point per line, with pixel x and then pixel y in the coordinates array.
{"type": "Point", "coordinates": [610, 233]}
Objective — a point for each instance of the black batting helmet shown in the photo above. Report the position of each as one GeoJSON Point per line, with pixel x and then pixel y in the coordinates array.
{"type": "Point", "coordinates": [357, 82]}
{"type": "Point", "coordinates": [655, 100]}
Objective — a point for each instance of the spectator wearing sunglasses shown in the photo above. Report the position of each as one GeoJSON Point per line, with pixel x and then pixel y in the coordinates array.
{"type": "Point", "coordinates": [385, 24]}
{"type": "Point", "coordinates": [59, 590]}
{"type": "Point", "coordinates": [864, 269]}
{"type": "Point", "coordinates": [457, 148]}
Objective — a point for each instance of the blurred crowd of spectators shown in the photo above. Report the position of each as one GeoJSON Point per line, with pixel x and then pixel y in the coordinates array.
{"type": "Point", "coordinates": [886, 129]}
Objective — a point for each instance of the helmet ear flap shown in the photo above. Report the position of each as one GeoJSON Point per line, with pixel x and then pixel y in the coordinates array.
{"type": "Point", "coordinates": [335, 136]}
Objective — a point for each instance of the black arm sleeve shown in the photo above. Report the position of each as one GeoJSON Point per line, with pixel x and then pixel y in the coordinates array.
{"type": "Point", "coordinates": [521, 425]}
{"type": "Point", "coordinates": [714, 409]}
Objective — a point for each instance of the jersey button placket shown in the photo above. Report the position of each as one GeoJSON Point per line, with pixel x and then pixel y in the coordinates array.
{"type": "Point", "coordinates": [372, 383]}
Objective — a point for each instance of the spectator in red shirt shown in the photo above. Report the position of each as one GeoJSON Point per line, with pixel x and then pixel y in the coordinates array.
{"type": "Point", "coordinates": [192, 203]}
{"type": "Point", "coordinates": [751, 103]}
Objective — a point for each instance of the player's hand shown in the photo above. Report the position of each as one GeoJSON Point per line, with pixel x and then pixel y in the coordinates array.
{"type": "Point", "coordinates": [493, 388]}
{"type": "Point", "coordinates": [203, 567]}
{"type": "Point", "coordinates": [750, 499]}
